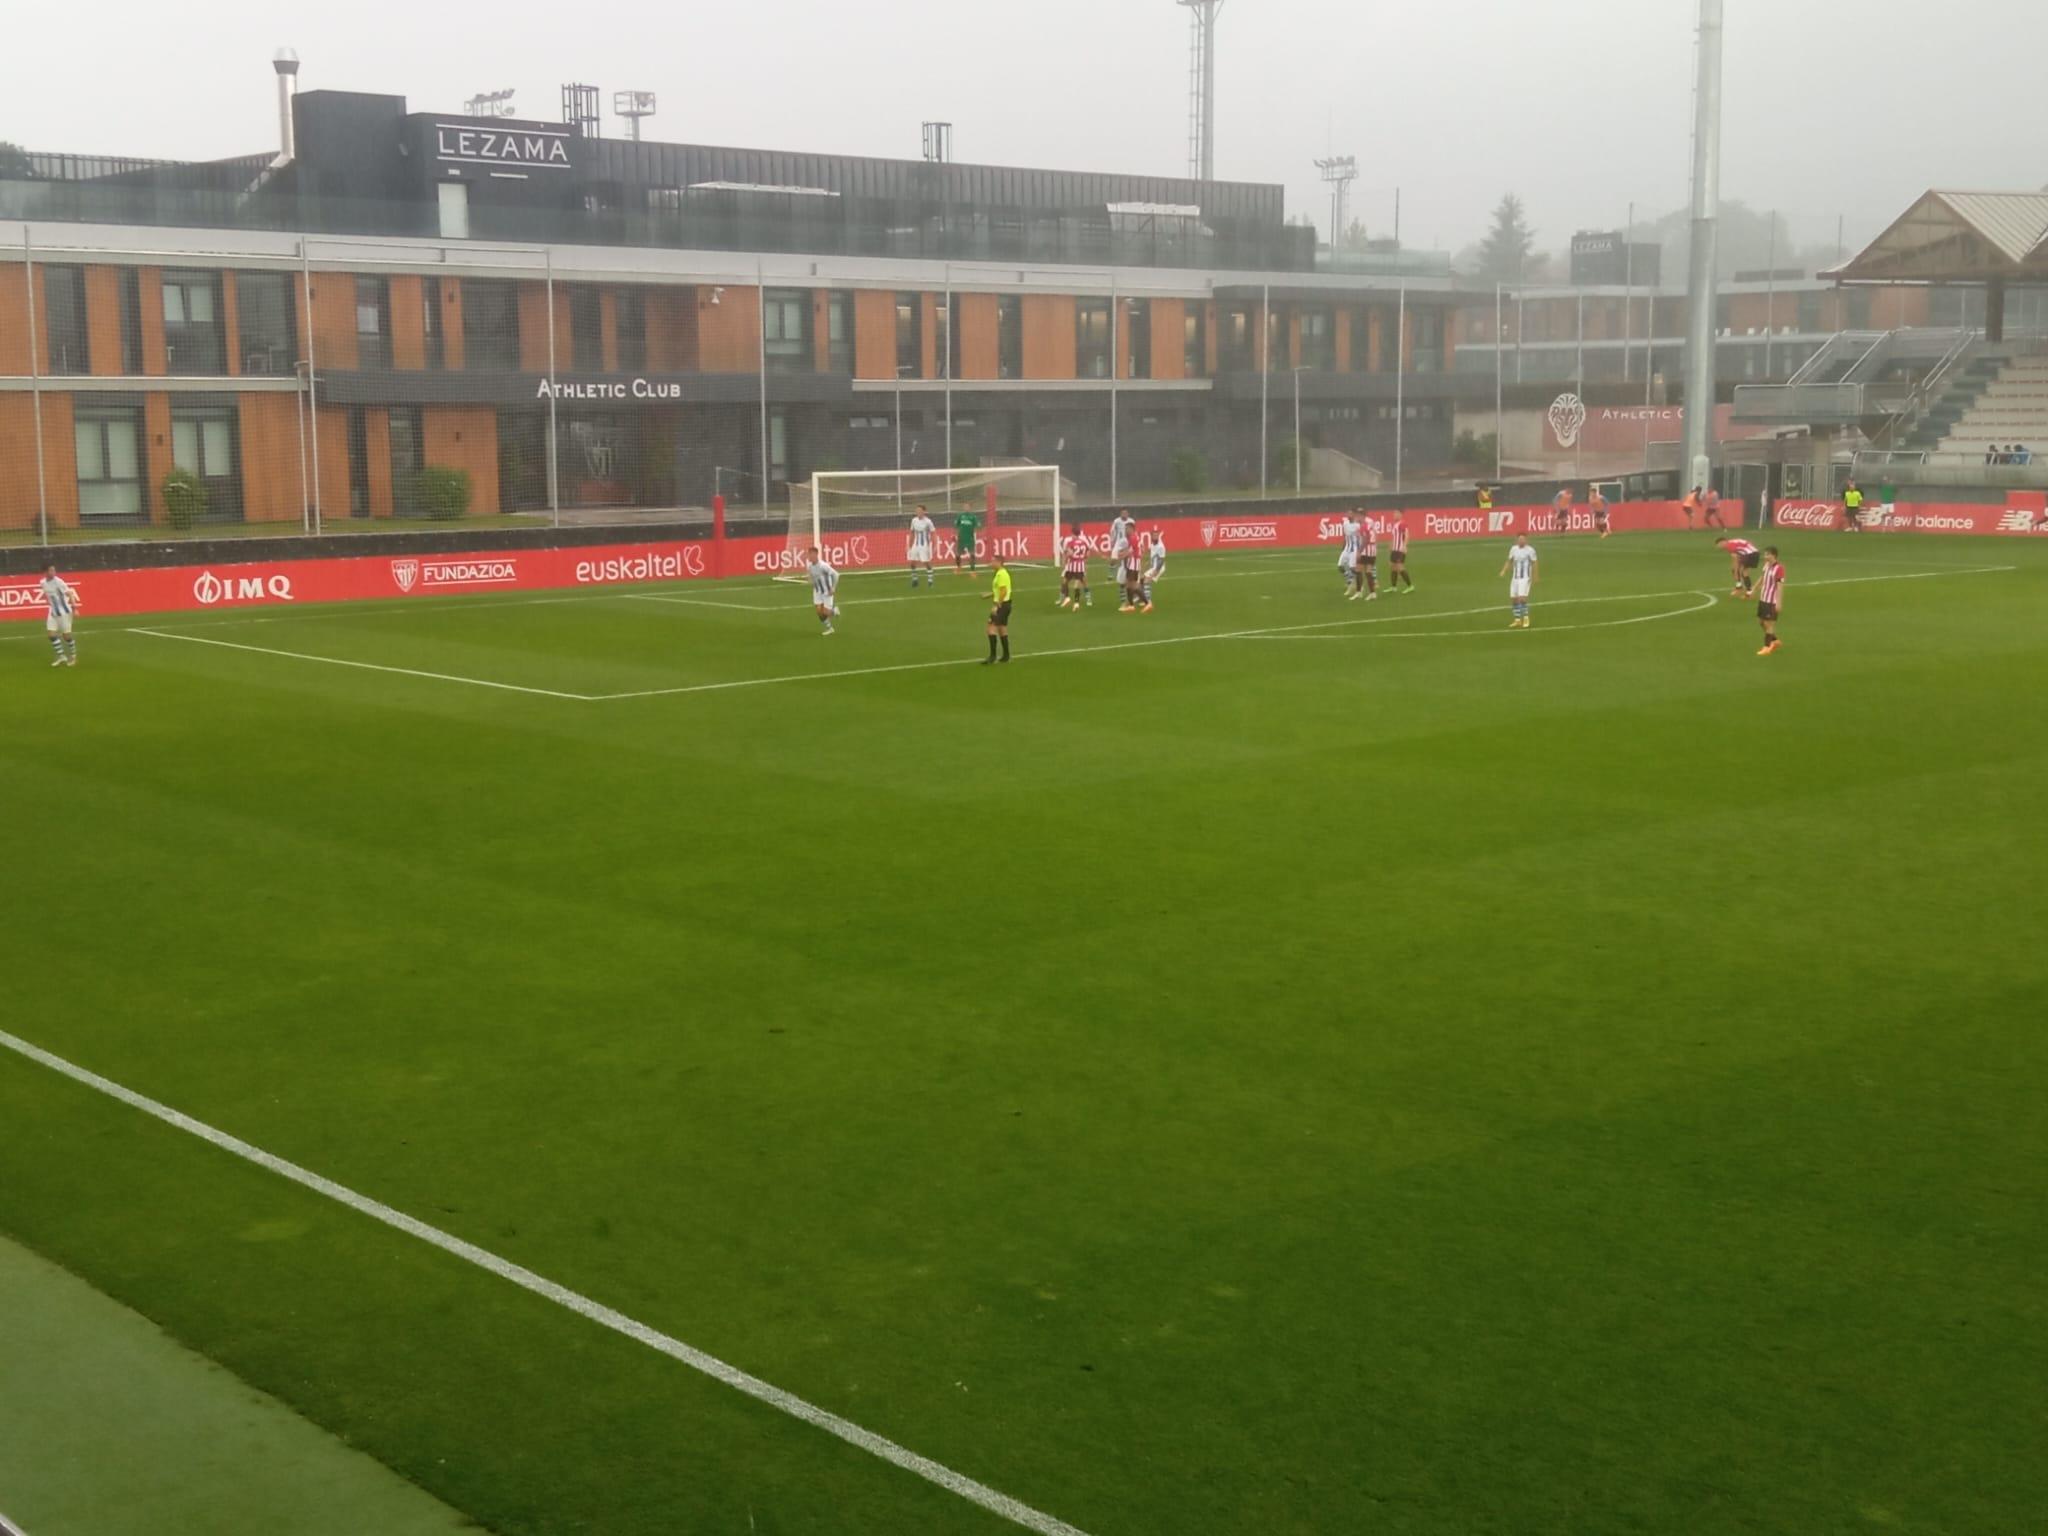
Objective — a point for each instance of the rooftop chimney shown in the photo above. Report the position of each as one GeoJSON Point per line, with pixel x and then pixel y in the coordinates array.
{"type": "Point", "coordinates": [286, 63]}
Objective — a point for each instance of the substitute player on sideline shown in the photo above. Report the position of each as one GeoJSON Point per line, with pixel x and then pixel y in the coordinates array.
{"type": "Point", "coordinates": [62, 600]}
{"type": "Point", "coordinates": [1398, 579]}
{"type": "Point", "coordinates": [924, 536]}
{"type": "Point", "coordinates": [1155, 566]}
{"type": "Point", "coordinates": [1074, 593]}
{"type": "Point", "coordinates": [1520, 570]}
{"type": "Point", "coordinates": [1743, 559]}
{"type": "Point", "coordinates": [824, 589]}
{"type": "Point", "coordinates": [999, 594]}
{"type": "Point", "coordinates": [1769, 598]}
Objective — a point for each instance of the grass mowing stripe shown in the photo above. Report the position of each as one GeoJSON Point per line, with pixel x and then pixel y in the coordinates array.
{"type": "Point", "coordinates": [879, 1446]}
{"type": "Point", "coordinates": [365, 666]}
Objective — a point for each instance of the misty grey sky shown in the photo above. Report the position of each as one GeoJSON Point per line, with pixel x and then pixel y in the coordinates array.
{"type": "Point", "coordinates": [1581, 106]}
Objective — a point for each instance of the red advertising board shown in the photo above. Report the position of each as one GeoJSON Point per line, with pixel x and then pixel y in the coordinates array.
{"type": "Point", "coordinates": [284, 582]}
{"type": "Point", "coordinates": [2021, 515]}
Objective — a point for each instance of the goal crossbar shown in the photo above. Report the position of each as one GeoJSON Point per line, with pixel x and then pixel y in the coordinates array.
{"type": "Point", "coordinates": [857, 500]}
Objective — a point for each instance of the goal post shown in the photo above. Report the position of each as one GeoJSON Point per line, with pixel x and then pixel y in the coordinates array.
{"type": "Point", "coordinates": [1021, 506]}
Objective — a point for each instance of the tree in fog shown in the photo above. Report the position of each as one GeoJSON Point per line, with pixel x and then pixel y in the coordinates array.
{"type": "Point", "coordinates": [1503, 255]}
{"type": "Point", "coordinates": [13, 160]}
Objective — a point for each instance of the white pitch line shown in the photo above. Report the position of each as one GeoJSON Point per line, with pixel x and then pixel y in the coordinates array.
{"type": "Point", "coordinates": [574, 1301]}
{"type": "Point", "coordinates": [1710, 600]}
{"type": "Point", "coordinates": [363, 666]}
{"type": "Point", "coordinates": [1234, 634]}
{"type": "Point", "coordinates": [705, 602]}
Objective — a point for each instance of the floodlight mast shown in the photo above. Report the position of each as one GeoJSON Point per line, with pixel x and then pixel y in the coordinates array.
{"type": "Point", "coordinates": [1202, 87]}
{"type": "Point", "coordinates": [1339, 171]}
{"type": "Point", "coordinates": [633, 106]}
{"type": "Point", "coordinates": [1703, 280]}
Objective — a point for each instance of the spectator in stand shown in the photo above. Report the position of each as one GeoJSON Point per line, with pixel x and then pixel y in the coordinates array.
{"type": "Point", "coordinates": [2021, 454]}
{"type": "Point", "coordinates": [1991, 453]}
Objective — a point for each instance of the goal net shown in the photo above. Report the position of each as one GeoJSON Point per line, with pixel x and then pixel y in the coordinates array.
{"type": "Point", "coordinates": [834, 506]}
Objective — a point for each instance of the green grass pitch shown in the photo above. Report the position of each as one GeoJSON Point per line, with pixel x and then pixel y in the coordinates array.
{"type": "Point", "coordinates": [1390, 1076]}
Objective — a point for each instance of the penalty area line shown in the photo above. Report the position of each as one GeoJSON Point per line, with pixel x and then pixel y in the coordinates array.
{"type": "Point", "coordinates": [597, 1312]}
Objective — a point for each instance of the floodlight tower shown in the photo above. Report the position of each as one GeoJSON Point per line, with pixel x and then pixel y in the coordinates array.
{"type": "Point", "coordinates": [488, 104]}
{"type": "Point", "coordinates": [1339, 171]}
{"type": "Point", "coordinates": [1702, 280]}
{"type": "Point", "coordinates": [1202, 87]}
{"type": "Point", "coordinates": [579, 109]}
{"type": "Point", "coordinates": [633, 106]}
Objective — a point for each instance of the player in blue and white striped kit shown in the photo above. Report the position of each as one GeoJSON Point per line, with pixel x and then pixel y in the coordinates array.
{"type": "Point", "coordinates": [1347, 557]}
{"type": "Point", "coordinates": [824, 589]}
{"type": "Point", "coordinates": [1155, 566]}
{"type": "Point", "coordinates": [62, 599]}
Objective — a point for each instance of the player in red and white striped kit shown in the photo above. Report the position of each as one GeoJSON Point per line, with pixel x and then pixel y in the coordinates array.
{"type": "Point", "coordinates": [1369, 560]}
{"type": "Point", "coordinates": [1743, 559]}
{"type": "Point", "coordinates": [1130, 574]}
{"type": "Point", "coordinates": [1770, 597]}
{"type": "Point", "coordinates": [1074, 591]}
{"type": "Point", "coordinates": [1398, 579]}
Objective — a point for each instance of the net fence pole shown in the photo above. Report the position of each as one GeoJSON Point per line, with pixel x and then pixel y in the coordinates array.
{"type": "Point", "coordinates": [1579, 388]}
{"type": "Point", "coordinates": [305, 490]}
{"type": "Point", "coordinates": [946, 367]}
{"type": "Point", "coordinates": [1499, 379]}
{"type": "Point", "coordinates": [312, 373]}
{"type": "Point", "coordinates": [1265, 372]}
{"type": "Point", "coordinates": [1628, 294]}
{"type": "Point", "coordinates": [1056, 512]}
{"type": "Point", "coordinates": [554, 440]}
{"type": "Point", "coordinates": [761, 362]}
{"type": "Point", "coordinates": [817, 513]}
{"type": "Point", "coordinates": [1400, 384]}
{"type": "Point", "coordinates": [1115, 361]}
{"type": "Point", "coordinates": [35, 386]}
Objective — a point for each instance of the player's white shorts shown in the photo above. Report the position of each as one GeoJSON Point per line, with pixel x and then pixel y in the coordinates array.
{"type": "Point", "coordinates": [1518, 591]}
{"type": "Point", "coordinates": [58, 624]}
{"type": "Point", "coordinates": [920, 554]}
{"type": "Point", "coordinates": [821, 598]}
{"type": "Point", "coordinates": [1346, 561]}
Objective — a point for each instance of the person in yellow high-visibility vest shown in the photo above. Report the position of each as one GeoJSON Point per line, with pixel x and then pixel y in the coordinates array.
{"type": "Point", "coordinates": [999, 592]}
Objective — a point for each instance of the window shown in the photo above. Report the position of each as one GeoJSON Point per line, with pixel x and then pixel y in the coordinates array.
{"type": "Point", "coordinates": [1426, 326]}
{"type": "Point", "coordinates": [586, 329]}
{"type": "Point", "coordinates": [109, 443]}
{"type": "Point", "coordinates": [203, 444]}
{"type": "Point", "coordinates": [629, 320]}
{"type": "Point", "coordinates": [193, 342]}
{"type": "Point", "coordinates": [64, 315]}
{"type": "Point", "coordinates": [909, 335]}
{"type": "Point", "coordinates": [1138, 338]}
{"type": "Point", "coordinates": [1236, 341]}
{"type": "Point", "coordinates": [131, 321]}
{"type": "Point", "coordinates": [431, 353]}
{"type": "Point", "coordinates": [1318, 340]}
{"type": "Point", "coordinates": [267, 322]}
{"type": "Point", "coordinates": [778, 444]}
{"type": "Point", "coordinates": [1009, 337]}
{"type": "Point", "coordinates": [786, 321]}
{"type": "Point", "coordinates": [1194, 344]}
{"type": "Point", "coordinates": [408, 458]}
{"type": "Point", "coordinates": [839, 332]}
{"type": "Point", "coordinates": [1091, 339]}
{"type": "Point", "coordinates": [358, 462]}
{"type": "Point", "coordinates": [490, 326]}
{"type": "Point", "coordinates": [373, 323]}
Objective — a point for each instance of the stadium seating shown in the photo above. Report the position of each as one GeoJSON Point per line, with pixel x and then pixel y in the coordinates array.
{"type": "Point", "coordinates": [2011, 407]}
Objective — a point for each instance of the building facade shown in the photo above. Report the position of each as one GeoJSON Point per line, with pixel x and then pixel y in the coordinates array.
{"type": "Point", "coordinates": [601, 326]}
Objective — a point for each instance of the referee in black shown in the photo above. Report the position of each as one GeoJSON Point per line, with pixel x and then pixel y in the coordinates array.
{"type": "Point", "coordinates": [999, 615]}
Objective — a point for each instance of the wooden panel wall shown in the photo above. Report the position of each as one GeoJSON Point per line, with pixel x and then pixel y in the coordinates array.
{"type": "Point", "coordinates": [874, 334]}
{"type": "Point", "coordinates": [230, 323]}
{"type": "Point", "coordinates": [608, 329]}
{"type": "Point", "coordinates": [334, 319]}
{"type": "Point", "coordinates": [1342, 339]}
{"type": "Point", "coordinates": [155, 358]}
{"type": "Point", "coordinates": [466, 438]}
{"type": "Point", "coordinates": [1120, 338]}
{"type": "Point", "coordinates": [333, 459]}
{"type": "Point", "coordinates": [929, 365]}
{"type": "Point", "coordinates": [729, 332]}
{"type": "Point", "coordinates": [14, 348]}
{"type": "Point", "coordinates": [408, 322]}
{"type": "Point", "coordinates": [979, 342]}
{"type": "Point", "coordinates": [269, 426]}
{"type": "Point", "coordinates": [451, 324]}
{"type": "Point", "coordinates": [377, 434]}
{"type": "Point", "coordinates": [18, 500]}
{"type": "Point", "coordinates": [103, 320]}
{"type": "Point", "coordinates": [821, 329]}
{"type": "Point", "coordinates": [1049, 341]}
{"type": "Point", "coordinates": [533, 330]}
{"type": "Point", "coordinates": [156, 452]}
{"type": "Point", "coordinates": [1169, 338]}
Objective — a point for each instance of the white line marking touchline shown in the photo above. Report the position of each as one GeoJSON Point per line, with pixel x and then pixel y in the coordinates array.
{"type": "Point", "coordinates": [583, 1306]}
{"type": "Point", "coordinates": [1707, 600]}
{"type": "Point", "coordinates": [363, 666]}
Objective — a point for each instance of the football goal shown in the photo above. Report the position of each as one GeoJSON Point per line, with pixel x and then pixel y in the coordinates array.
{"type": "Point", "coordinates": [836, 504]}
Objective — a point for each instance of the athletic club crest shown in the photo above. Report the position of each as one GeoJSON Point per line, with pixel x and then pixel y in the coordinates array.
{"type": "Point", "coordinates": [1567, 417]}
{"type": "Point", "coordinates": [1208, 533]}
{"type": "Point", "coordinates": [406, 573]}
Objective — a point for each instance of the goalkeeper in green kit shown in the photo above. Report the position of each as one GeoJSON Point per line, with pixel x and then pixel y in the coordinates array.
{"type": "Point", "coordinates": [966, 525]}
